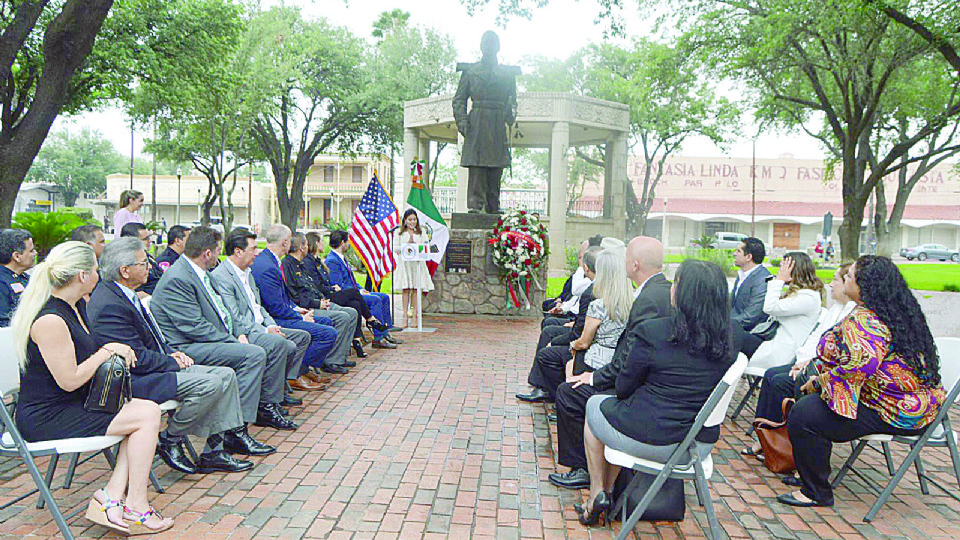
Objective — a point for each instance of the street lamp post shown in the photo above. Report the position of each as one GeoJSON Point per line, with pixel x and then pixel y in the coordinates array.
{"type": "Point", "coordinates": [339, 168]}
{"type": "Point", "coordinates": [178, 194]}
{"type": "Point", "coordinates": [199, 209]}
{"type": "Point", "coordinates": [753, 189]}
{"type": "Point", "coordinates": [663, 226]}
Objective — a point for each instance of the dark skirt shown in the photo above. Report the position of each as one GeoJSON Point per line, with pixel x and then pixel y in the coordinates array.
{"type": "Point", "coordinates": [61, 421]}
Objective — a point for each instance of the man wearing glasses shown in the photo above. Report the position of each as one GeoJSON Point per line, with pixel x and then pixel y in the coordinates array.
{"type": "Point", "coordinates": [139, 230]}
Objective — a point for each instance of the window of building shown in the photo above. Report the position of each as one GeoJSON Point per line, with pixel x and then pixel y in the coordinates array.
{"type": "Point", "coordinates": [357, 174]}
{"type": "Point", "coordinates": [329, 173]}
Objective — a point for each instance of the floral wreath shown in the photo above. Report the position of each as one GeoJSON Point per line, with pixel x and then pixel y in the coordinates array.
{"type": "Point", "coordinates": [519, 247]}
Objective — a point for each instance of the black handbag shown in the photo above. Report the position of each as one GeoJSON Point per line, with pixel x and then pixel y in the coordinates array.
{"type": "Point", "coordinates": [110, 387]}
{"type": "Point", "coordinates": [668, 504]}
{"type": "Point", "coordinates": [767, 329]}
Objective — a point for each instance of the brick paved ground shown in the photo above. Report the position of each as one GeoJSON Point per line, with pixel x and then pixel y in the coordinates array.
{"type": "Point", "coordinates": [429, 442]}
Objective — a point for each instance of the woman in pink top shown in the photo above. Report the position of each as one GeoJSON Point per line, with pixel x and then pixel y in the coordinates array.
{"type": "Point", "coordinates": [130, 202]}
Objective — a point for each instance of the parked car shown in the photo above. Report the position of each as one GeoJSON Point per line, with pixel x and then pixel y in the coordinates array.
{"type": "Point", "coordinates": [930, 251]}
{"type": "Point", "coordinates": [728, 240]}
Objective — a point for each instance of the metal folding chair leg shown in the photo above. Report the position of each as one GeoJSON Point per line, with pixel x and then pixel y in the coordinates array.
{"type": "Point", "coordinates": [631, 522]}
{"type": "Point", "coordinates": [48, 479]}
{"type": "Point", "coordinates": [887, 457]}
{"type": "Point", "coordinates": [921, 476]}
{"type": "Point", "coordinates": [112, 460]}
{"type": "Point", "coordinates": [754, 384]}
{"type": "Point", "coordinates": [703, 493]}
{"type": "Point", "coordinates": [71, 470]}
{"type": "Point", "coordinates": [847, 465]}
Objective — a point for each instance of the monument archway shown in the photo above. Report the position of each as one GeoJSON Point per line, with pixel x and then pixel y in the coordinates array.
{"type": "Point", "coordinates": [553, 120]}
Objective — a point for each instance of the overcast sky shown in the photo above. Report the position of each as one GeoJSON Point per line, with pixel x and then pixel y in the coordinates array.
{"type": "Point", "coordinates": [554, 31]}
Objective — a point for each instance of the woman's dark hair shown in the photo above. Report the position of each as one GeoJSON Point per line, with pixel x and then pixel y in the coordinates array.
{"type": "Point", "coordinates": [701, 316]}
{"type": "Point", "coordinates": [403, 224]}
{"type": "Point", "coordinates": [884, 292]}
{"type": "Point", "coordinates": [337, 238]}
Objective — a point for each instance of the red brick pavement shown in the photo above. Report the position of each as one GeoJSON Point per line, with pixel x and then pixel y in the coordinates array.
{"type": "Point", "coordinates": [428, 442]}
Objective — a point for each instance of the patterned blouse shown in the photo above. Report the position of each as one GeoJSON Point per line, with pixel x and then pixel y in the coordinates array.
{"type": "Point", "coordinates": [858, 366]}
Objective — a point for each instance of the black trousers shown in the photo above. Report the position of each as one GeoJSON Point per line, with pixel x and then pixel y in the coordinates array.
{"type": "Point", "coordinates": [814, 428]}
{"type": "Point", "coordinates": [553, 335]}
{"type": "Point", "coordinates": [552, 320]}
{"type": "Point", "coordinates": [483, 189]}
{"type": "Point", "coordinates": [351, 298]}
{"type": "Point", "coordinates": [776, 386]}
{"type": "Point", "coordinates": [548, 368]}
{"type": "Point", "coordinates": [571, 416]}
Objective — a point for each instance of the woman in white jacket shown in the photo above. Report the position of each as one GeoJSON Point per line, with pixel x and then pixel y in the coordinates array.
{"type": "Point", "coordinates": [794, 298]}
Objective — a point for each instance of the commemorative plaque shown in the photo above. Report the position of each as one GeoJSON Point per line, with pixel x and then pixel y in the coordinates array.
{"type": "Point", "coordinates": [458, 257]}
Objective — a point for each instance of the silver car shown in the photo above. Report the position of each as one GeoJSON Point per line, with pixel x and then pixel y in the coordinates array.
{"type": "Point", "coordinates": [930, 251]}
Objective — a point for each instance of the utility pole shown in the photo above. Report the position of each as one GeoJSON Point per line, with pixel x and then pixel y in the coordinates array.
{"type": "Point", "coordinates": [131, 154]}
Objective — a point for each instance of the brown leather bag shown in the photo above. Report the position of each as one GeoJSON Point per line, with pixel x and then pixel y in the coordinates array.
{"type": "Point", "coordinates": [775, 441]}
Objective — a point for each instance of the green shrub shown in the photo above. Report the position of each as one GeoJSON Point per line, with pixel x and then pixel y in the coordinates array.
{"type": "Point", "coordinates": [951, 287]}
{"type": "Point", "coordinates": [337, 225]}
{"type": "Point", "coordinates": [85, 214]}
{"type": "Point", "coordinates": [571, 255]}
{"type": "Point", "coordinates": [776, 262]}
{"type": "Point", "coordinates": [47, 229]}
{"type": "Point", "coordinates": [704, 242]}
{"type": "Point", "coordinates": [720, 257]}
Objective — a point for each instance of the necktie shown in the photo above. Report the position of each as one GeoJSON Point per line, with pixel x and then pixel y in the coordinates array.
{"type": "Point", "coordinates": [222, 309]}
{"type": "Point", "coordinates": [154, 331]}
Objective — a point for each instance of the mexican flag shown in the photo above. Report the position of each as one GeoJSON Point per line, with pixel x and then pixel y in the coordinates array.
{"type": "Point", "coordinates": [431, 222]}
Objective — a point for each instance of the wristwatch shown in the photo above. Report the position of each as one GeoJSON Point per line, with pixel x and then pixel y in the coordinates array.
{"type": "Point", "coordinates": [816, 385]}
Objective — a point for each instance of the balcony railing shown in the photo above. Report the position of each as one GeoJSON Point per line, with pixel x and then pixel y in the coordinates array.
{"type": "Point", "coordinates": [320, 189]}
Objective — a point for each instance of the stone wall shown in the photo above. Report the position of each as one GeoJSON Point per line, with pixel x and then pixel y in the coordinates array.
{"type": "Point", "coordinates": [480, 291]}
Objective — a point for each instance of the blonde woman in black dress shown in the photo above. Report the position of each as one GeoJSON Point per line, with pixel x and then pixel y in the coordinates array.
{"type": "Point", "coordinates": [58, 357]}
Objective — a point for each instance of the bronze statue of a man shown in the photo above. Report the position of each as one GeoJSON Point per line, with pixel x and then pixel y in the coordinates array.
{"type": "Point", "coordinates": [492, 88]}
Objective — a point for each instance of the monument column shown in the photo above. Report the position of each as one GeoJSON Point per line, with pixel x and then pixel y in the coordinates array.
{"type": "Point", "coordinates": [463, 179]}
{"type": "Point", "coordinates": [411, 145]}
{"type": "Point", "coordinates": [559, 146]}
{"type": "Point", "coordinates": [423, 154]}
{"type": "Point", "coordinates": [617, 168]}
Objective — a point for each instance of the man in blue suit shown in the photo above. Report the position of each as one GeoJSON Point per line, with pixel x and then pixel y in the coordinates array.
{"type": "Point", "coordinates": [751, 284]}
{"type": "Point", "coordinates": [379, 303]}
{"type": "Point", "coordinates": [268, 276]}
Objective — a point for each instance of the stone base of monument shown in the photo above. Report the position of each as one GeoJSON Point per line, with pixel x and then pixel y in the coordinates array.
{"type": "Point", "coordinates": [467, 281]}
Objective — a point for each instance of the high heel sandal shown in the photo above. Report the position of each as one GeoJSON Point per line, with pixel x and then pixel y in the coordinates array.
{"type": "Point", "coordinates": [138, 525]}
{"type": "Point", "coordinates": [600, 510]}
{"type": "Point", "coordinates": [358, 348]}
{"type": "Point", "coordinates": [376, 325]}
{"type": "Point", "coordinates": [97, 512]}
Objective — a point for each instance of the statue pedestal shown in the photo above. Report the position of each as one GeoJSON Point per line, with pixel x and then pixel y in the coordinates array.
{"type": "Point", "coordinates": [473, 221]}
{"type": "Point", "coordinates": [467, 282]}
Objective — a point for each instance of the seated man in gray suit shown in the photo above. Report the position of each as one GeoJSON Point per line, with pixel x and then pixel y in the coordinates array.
{"type": "Point", "coordinates": [242, 297]}
{"type": "Point", "coordinates": [208, 395]}
{"type": "Point", "coordinates": [193, 318]}
{"type": "Point", "coordinates": [751, 284]}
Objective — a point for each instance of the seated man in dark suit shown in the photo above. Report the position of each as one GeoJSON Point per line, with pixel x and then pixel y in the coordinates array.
{"type": "Point", "coordinates": [139, 230]}
{"type": "Point", "coordinates": [268, 275]}
{"type": "Point", "coordinates": [176, 239]}
{"type": "Point", "coordinates": [567, 310]}
{"type": "Point", "coordinates": [548, 365]}
{"type": "Point", "coordinates": [208, 395]}
{"type": "Point", "coordinates": [194, 319]}
{"type": "Point", "coordinates": [751, 284]}
{"type": "Point", "coordinates": [644, 260]}
{"type": "Point", "coordinates": [341, 275]}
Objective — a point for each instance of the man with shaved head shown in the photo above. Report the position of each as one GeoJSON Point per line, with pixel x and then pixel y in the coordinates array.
{"type": "Point", "coordinates": [644, 260]}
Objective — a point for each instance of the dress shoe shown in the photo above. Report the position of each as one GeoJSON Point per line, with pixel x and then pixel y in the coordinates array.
{"type": "Point", "coordinates": [391, 339]}
{"type": "Point", "coordinates": [239, 441]}
{"type": "Point", "coordinates": [290, 401]}
{"type": "Point", "coordinates": [572, 479]}
{"type": "Point", "coordinates": [173, 455]}
{"type": "Point", "coordinates": [537, 395]}
{"type": "Point", "coordinates": [788, 498]}
{"type": "Point", "coordinates": [394, 329]}
{"type": "Point", "coordinates": [221, 461]}
{"type": "Point", "coordinates": [304, 384]}
{"type": "Point", "coordinates": [269, 415]}
{"type": "Point", "coordinates": [349, 364]}
{"type": "Point", "coordinates": [551, 417]}
{"type": "Point", "coordinates": [338, 370]}
{"type": "Point", "coordinates": [358, 348]}
{"type": "Point", "coordinates": [315, 377]}
{"type": "Point", "coordinates": [383, 344]}
{"type": "Point", "coordinates": [374, 324]}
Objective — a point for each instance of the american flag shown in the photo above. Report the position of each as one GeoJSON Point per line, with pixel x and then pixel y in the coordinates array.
{"type": "Point", "coordinates": [370, 231]}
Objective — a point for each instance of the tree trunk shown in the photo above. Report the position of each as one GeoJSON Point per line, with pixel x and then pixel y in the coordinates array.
{"type": "Point", "coordinates": [849, 231]}
{"type": "Point", "coordinates": [66, 44]}
{"type": "Point", "coordinates": [879, 218]}
{"type": "Point", "coordinates": [70, 197]}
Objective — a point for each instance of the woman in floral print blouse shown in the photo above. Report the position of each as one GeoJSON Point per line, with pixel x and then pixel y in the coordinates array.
{"type": "Point", "coordinates": [879, 373]}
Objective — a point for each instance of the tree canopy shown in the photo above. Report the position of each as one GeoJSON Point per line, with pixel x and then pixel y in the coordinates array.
{"type": "Point", "coordinates": [76, 162]}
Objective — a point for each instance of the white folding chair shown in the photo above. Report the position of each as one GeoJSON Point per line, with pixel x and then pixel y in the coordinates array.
{"type": "Point", "coordinates": [699, 470]}
{"type": "Point", "coordinates": [12, 443]}
{"type": "Point", "coordinates": [938, 433]}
